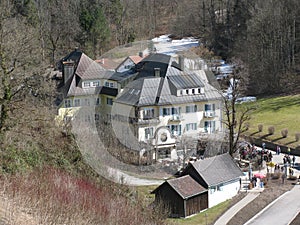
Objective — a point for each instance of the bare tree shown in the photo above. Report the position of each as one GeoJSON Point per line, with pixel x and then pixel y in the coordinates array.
{"type": "Point", "coordinates": [19, 57]}
{"type": "Point", "coordinates": [236, 116]}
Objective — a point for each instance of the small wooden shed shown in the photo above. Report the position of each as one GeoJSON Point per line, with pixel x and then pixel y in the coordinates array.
{"type": "Point", "coordinates": [183, 196]}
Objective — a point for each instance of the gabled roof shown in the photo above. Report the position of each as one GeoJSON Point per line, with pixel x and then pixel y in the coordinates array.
{"type": "Point", "coordinates": [89, 69]}
{"type": "Point", "coordinates": [136, 58]}
{"type": "Point", "coordinates": [186, 81]}
{"type": "Point", "coordinates": [218, 169]}
{"type": "Point", "coordinates": [107, 63]}
{"type": "Point", "coordinates": [185, 186]}
{"type": "Point", "coordinates": [140, 92]}
{"type": "Point", "coordinates": [157, 91]}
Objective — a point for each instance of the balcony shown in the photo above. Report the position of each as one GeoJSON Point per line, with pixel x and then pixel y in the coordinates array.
{"type": "Point", "coordinates": [153, 120]}
{"type": "Point", "coordinates": [175, 118]}
{"type": "Point", "coordinates": [209, 114]}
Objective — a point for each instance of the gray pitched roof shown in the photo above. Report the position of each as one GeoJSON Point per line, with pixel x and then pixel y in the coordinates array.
{"type": "Point", "coordinates": [144, 91]}
{"type": "Point", "coordinates": [218, 169]}
{"type": "Point", "coordinates": [86, 69]}
{"type": "Point", "coordinates": [186, 186]}
{"type": "Point", "coordinates": [89, 69]}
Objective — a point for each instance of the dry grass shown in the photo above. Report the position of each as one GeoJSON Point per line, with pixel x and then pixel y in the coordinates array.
{"type": "Point", "coordinates": [54, 197]}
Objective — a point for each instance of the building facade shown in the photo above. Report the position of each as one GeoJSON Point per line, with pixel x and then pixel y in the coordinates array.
{"type": "Point", "coordinates": [148, 107]}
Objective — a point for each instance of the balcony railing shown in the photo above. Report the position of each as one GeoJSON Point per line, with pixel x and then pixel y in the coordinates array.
{"type": "Point", "coordinates": [209, 114]}
{"type": "Point", "coordinates": [153, 120]}
{"type": "Point", "coordinates": [175, 118]}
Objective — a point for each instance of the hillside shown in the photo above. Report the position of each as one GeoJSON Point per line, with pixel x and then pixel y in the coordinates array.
{"type": "Point", "coordinates": [280, 113]}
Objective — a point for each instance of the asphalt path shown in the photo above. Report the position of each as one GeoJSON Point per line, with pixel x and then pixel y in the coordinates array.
{"type": "Point", "coordinates": [281, 211]}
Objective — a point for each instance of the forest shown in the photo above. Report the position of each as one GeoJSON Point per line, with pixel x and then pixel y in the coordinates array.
{"type": "Point", "coordinates": [36, 34]}
{"type": "Point", "coordinates": [263, 34]}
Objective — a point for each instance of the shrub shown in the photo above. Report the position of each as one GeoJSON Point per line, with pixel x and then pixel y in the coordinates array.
{"type": "Point", "coordinates": [260, 127]}
{"type": "Point", "coordinates": [297, 136]}
{"type": "Point", "coordinates": [284, 132]}
{"type": "Point", "coordinates": [271, 130]}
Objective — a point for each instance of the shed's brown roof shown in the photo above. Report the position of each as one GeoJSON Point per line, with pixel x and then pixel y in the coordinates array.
{"type": "Point", "coordinates": [186, 186]}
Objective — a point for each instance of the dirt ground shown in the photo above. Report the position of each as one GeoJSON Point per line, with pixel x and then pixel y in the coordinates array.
{"type": "Point", "coordinates": [273, 190]}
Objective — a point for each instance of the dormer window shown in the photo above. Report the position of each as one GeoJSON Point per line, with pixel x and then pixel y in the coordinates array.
{"type": "Point", "coordinates": [96, 83]}
{"type": "Point", "coordinates": [187, 91]}
{"type": "Point", "coordinates": [193, 91]}
{"type": "Point", "coordinates": [109, 84]}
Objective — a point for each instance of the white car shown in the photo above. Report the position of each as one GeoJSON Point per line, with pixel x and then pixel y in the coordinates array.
{"type": "Point", "coordinates": [245, 99]}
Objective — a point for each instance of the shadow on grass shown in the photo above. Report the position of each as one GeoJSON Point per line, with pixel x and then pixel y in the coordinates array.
{"type": "Point", "coordinates": [254, 133]}
{"type": "Point", "coordinates": [277, 139]}
{"type": "Point", "coordinates": [265, 136]}
{"type": "Point", "coordinates": [291, 142]}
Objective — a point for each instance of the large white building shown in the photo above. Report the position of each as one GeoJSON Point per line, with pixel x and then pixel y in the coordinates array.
{"type": "Point", "coordinates": [151, 106]}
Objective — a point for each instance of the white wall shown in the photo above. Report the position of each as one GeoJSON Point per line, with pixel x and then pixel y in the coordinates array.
{"type": "Point", "coordinates": [227, 191]}
{"type": "Point", "coordinates": [127, 63]}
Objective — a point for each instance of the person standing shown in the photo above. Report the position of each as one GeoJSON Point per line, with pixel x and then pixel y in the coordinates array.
{"type": "Point", "coordinates": [278, 150]}
{"type": "Point", "coordinates": [294, 160]}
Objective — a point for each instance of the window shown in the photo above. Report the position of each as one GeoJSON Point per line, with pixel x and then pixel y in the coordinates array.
{"type": "Point", "coordinates": [210, 126]}
{"type": "Point", "coordinates": [109, 101]}
{"type": "Point", "coordinates": [68, 103]}
{"type": "Point", "coordinates": [97, 101]}
{"type": "Point", "coordinates": [148, 133]}
{"type": "Point", "coordinates": [166, 111]}
{"type": "Point", "coordinates": [109, 84]}
{"type": "Point", "coordinates": [87, 118]}
{"type": "Point", "coordinates": [193, 91]}
{"type": "Point", "coordinates": [87, 102]}
{"type": "Point", "coordinates": [148, 113]}
{"type": "Point", "coordinates": [77, 102]}
{"type": "Point", "coordinates": [209, 107]}
{"type": "Point", "coordinates": [86, 84]}
{"type": "Point", "coordinates": [191, 126]}
{"type": "Point", "coordinates": [176, 110]}
{"type": "Point", "coordinates": [201, 90]}
{"type": "Point", "coordinates": [187, 91]}
{"type": "Point", "coordinates": [171, 111]}
{"type": "Point", "coordinates": [175, 129]}
{"type": "Point", "coordinates": [191, 108]}
{"type": "Point", "coordinates": [96, 83]}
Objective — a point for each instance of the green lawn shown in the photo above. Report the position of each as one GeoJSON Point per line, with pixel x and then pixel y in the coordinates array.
{"type": "Point", "coordinates": [280, 112]}
{"type": "Point", "coordinates": [204, 218]}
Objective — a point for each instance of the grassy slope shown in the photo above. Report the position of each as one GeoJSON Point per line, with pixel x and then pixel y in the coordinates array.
{"type": "Point", "coordinates": [205, 217]}
{"type": "Point", "coordinates": [280, 112]}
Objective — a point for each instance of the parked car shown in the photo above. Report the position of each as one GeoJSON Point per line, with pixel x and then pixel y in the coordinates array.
{"type": "Point", "coordinates": [245, 99]}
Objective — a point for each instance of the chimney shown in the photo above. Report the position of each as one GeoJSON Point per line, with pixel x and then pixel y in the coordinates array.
{"type": "Point", "coordinates": [181, 62]}
{"type": "Point", "coordinates": [141, 54]}
{"type": "Point", "coordinates": [68, 70]}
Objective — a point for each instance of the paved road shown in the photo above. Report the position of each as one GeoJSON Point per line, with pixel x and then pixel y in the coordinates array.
{"type": "Point", "coordinates": [226, 217]}
{"type": "Point", "coordinates": [280, 212]}
{"type": "Point", "coordinates": [131, 180]}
